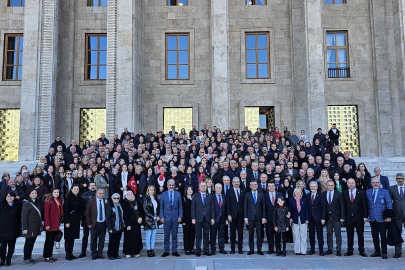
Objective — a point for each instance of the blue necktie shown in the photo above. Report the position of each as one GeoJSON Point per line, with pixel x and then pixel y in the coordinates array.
{"type": "Point", "coordinates": [203, 198]}
{"type": "Point", "coordinates": [254, 196]}
{"type": "Point", "coordinates": [402, 192]}
{"type": "Point", "coordinates": [171, 201]}
{"type": "Point", "coordinates": [374, 193]}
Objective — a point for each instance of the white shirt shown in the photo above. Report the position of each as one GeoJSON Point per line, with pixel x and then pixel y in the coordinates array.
{"type": "Point", "coordinates": [375, 195]}
{"type": "Point", "coordinates": [70, 183]}
{"type": "Point", "coordinates": [236, 193]}
{"type": "Point", "coordinates": [244, 182]}
{"type": "Point", "coordinates": [274, 195]}
{"type": "Point", "coordinates": [399, 189]}
{"type": "Point", "coordinates": [102, 210]}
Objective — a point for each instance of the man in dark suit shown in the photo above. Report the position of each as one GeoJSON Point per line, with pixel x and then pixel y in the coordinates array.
{"type": "Point", "coordinates": [335, 214]}
{"type": "Point", "coordinates": [398, 204]}
{"type": "Point", "coordinates": [290, 169]}
{"type": "Point", "coordinates": [270, 200]}
{"type": "Point", "coordinates": [254, 174]}
{"type": "Point", "coordinates": [385, 183]}
{"type": "Point", "coordinates": [244, 181]}
{"type": "Point", "coordinates": [96, 221]}
{"type": "Point", "coordinates": [264, 179]}
{"type": "Point", "coordinates": [317, 207]}
{"type": "Point", "coordinates": [202, 214]}
{"type": "Point", "coordinates": [356, 212]}
{"type": "Point", "coordinates": [221, 220]}
{"type": "Point", "coordinates": [254, 212]}
{"type": "Point", "coordinates": [234, 210]}
{"type": "Point", "coordinates": [226, 181]}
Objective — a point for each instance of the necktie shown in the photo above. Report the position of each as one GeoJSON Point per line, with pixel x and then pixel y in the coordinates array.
{"type": "Point", "coordinates": [312, 199]}
{"type": "Point", "coordinates": [171, 199]}
{"type": "Point", "coordinates": [351, 196]}
{"type": "Point", "coordinates": [374, 193]}
{"type": "Point", "coordinates": [100, 211]}
{"type": "Point", "coordinates": [263, 186]}
{"type": "Point", "coordinates": [330, 197]}
{"type": "Point", "coordinates": [220, 201]}
{"type": "Point", "coordinates": [237, 191]}
{"type": "Point", "coordinates": [255, 175]}
{"type": "Point", "coordinates": [254, 196]}
{"type": "Point", "coordinates": [402, 192]}
{"type": "Point", "coordinates": [272, 199]}
{"type": "Point", "coordinates": [203, 198]}
{"type": "Point", "coordinates": [225, 190]}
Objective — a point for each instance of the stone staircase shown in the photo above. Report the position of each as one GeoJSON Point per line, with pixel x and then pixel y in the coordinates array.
{"type": "Point", "coordinates": [389, 166]}
{"type": "Point", "coordinates": [13, 167]}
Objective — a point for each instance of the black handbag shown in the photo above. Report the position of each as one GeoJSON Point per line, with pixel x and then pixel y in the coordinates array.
{"type": "Point", "coordinates": [58, 236]}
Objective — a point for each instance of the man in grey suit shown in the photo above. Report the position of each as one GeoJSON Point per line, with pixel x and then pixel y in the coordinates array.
{"type": "Point", "coordinates": [202, 213]}
{"type": "Point", "coordinates": [398, 204]}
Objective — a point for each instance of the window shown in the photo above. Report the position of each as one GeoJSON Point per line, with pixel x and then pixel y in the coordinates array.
{"type": "Point", "coordinates": [16, 3]}
{"type": "Point", "coordinates": [177, 57]}
{"type": "Point", "coordinates": [338, 55]}
{"type": "Point", "coordinates": [13, 57]}
{"type": "Point", "coordinates": [178, 117]}
{"type": "Point", "coordinates": [96, 57]}
{"type": "Point", "coordinates": [97, 3]}
{"type": "Point", "coordinates": [257, 55]}
{"type": "Point", "coordinates": [256, 2]}
{"type": "Point", "coordinates": [92, 124]}
{"type": "Point", "coordinates": [335, 1]}
{"type": "Point", "coordinates": [177, 2]}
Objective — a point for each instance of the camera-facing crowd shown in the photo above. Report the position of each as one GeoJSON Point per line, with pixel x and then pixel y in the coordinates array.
{"type": "Point", "coordinates": [215, 184]}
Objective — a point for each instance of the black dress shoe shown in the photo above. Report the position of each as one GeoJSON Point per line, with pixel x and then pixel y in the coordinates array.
{"type": "Point", "coordinates": [226, 242]}
{"type": "Point", "coordinates": [2, 262]}
{"type": "Point", "coordinates": [397, 255]}
{"type": "Point", "coordinates": [362, 254]}
{"type": "Point", "coordinates": [212, 252]}
{"type": "Point", "coordinates": [117, 257]}
{"type": "Point", "coordinates": [338, 253]}
{"type": "Point", "coordinates": [375, 254]}
{"type": "Point", "coordinates": [176, 254]}
{"type": "Point", "coordinates": [100, 257]}
{"type": "Point", "coordinates": [94, 258]}
{"type": "Point", "coordinates": [223, 252]}
{"type": "Point", "coordinates": [321, 253]}
{"type": "Point", "coordinates": [192, 252]}
{"type": "Point", "coordinates": [311, 252]}
{"type": "Point", "coordinates": [188, 253]}
{"type": "Point", "coordinates": [8, 263]}
{"type": "Point", "coordinates": [297, 253]}
{"type": "Point", "coordinates": [251, 252]}
{"type": "Point", "coordinates": [165, 254]}
{"type": "Point", "coordinates": [82, 255]}
{"type": "Point", "coordinates": [232, 251]}
{"type": "Point", "coordinates": [207, 253]}
{"type": "Point", "coordinates": [111, 258]}
{"type": "Point", "coordinates": [270, 252]}
{"type": "Point", "coordinates": [260, 252]}
{"type": "Point", "coordinates": [384, 256]}
{"type": "Point", "coordinates": [350, 253]}
{"type": "Point", "coordinates": [152, 252]}
{"type": "Point", "coordinates": [240, 251]}
{"type": "Point", "coordinates": [198, 254]}
{"type": "Point", "coordinates": [328, 252]}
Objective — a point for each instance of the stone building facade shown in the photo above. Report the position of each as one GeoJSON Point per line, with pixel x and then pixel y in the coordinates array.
{"type": "Point", "coordinates": [53, 88]}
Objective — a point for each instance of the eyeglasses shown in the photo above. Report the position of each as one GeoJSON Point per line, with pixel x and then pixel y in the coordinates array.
{"type": "Point", "coordinates": [116, 198]}
{"type": "Point", "coordinates": [69, 174]}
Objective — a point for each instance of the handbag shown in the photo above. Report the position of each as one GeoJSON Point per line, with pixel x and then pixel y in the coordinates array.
{"type": "Point", "coordinates": [58, 236]}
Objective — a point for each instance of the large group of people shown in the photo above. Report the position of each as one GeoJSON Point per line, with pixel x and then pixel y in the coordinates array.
{"type": "Point", "coordinates": [215, 184]}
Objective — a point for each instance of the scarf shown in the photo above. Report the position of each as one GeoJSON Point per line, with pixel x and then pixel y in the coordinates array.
{"type": "Point", "coordinates": [133, 204]}
{"type": "Point", "coordinates": [298, 204]}
{"type": "Point", "coordinates": [118, 213]}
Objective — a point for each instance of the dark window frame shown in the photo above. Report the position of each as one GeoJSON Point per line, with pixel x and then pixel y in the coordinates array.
{"type": "Point", "coordinates": [86, 64]}
{"type": "Point", "coordinates": [20, 5]}
{"type": "Point", "coordinates": [17, 52]}
{"type": "Point", "coordinates": [334, 2]}
{"type": "Point", "coordinates": [177, 4]}
{"type": "Point", "coordinates": [99, 3]}
{"type": "Point", "coordinates": [254, 3]}
{"type": "Point", "coordinates": [177, 50]}
{"type": "Point", "coordinates": [336, 48]}
{"type": "Point", "coordinates": [257, 56]}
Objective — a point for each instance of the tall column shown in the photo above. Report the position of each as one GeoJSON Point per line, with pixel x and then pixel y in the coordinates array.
{"type": "Point", "coordinates": [220, 90]}
{"type": "Point", "coordinates": [30, 83]}
{"type": "Point", "coordinates": [317, 110]}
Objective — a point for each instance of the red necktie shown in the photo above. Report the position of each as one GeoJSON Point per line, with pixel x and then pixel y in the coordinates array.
{"type": "Point", "coordinates": [272, 199]}
{"type": "Point", "coordinates": [312, 199]}
{"type": "Point", "coordinates": [351, 196]}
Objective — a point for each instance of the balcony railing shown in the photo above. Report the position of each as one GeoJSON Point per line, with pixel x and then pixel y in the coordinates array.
{"type": "Point", "coordinates": [342, 72]}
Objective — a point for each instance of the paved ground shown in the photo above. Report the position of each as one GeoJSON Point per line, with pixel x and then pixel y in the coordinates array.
{"type": "Point", "coordinates": [220, 262]}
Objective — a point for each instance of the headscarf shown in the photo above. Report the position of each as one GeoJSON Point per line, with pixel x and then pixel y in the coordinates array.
{"type": "Point", "coordinates": [118, 212]}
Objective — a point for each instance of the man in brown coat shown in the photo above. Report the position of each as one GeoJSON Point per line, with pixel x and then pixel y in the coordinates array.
{"type": "Point", "coordinates": [95, 219]}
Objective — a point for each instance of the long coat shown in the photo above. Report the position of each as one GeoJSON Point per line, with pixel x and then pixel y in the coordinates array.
{"type": "Point", "coordinates": [10, 220]}
{"type": "Point", "coordinates": [52, 214]}
{"type": "Point", "coordinates": [73, 208]}
{"type": "Point", "coordinates": [102, 182]}
{"type": "Point", "coordinates": [149, 222]}
{"type": "Point", "coordinates": [31, 219]}
{"type": "Point", "coordinates": [132, 238]}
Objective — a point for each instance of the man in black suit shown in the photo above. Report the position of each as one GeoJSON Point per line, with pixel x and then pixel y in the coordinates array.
{"type": "Point", "coordinates": [254, 213]}
{"type": "Point", "coordinates": [221, 220]}
{"type": "Point", "coordinates": [244, 181]}
{"type": "Point", "coordinates": [226, 181]}
{"type": "Point", "coordinates": [335, 214]}
{"type": "Point", "coordinates": [290, 169]}
{"type": "Point", "coordinates": [202, 213]}
{"type": "Point", "coordinates": [317, 207]}
{"type": "Point", "coordinates": [270, 200]}
{"type": "Point", "coordinates": [263, 183]}
{"type": "Point", "coordinates": [234, 209]}
{"type": "Point", "coordinates": [356, 211]}
{"type": "Point", "coordinates": [254, 174]}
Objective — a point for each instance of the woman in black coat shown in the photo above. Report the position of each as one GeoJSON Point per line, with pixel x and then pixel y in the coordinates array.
{"type": "Point", "coordinates": [115, 226]}
{"type": "Point", "coordinates": [49, 180]}
{"type": "Point", "coordinates": [188, 226]}
{"type": "Point", "coordinates": [10, 221]}
{"type": "Point", "coordinates": [133, 218]}
{"type": "Point", "coordinates": [72, 209]}
{"type": "Point", "coordinates": [146, 182]}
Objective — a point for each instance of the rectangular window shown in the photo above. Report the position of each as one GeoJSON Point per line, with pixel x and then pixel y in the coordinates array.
{"type": "Point", "coordinates": [257, 55]}
{"type": "Point", "coordinates": [13, 57]}
{"type": "Point", "coordinates": [338, 54]}
{"type": "Point", "coordinates": [256, 2]}
{"type": "Point", "coordinates": [96, 57]}
{"type": "Point", "coordinates": [178, 117]}
{"type": "Point", "coordinates": [16, 3]}
{"type": "Point", "coordinates": [177, 57]}
{"type": "Point", "coordinates": [177, 2]}
{"type": "Point", "coordinates": [97, 3]}
{"type": "Point", "coordinates": [335, 1]}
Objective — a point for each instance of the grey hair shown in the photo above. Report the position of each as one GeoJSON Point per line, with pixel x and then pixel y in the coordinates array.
{"type": "Point", "coordinates": [311, 170]}
{"type": "Point", "coordinates": [232, 161]}
{"type": "Point", "coordinates": [313, 182]}
{"type": "Point", "coordinates": [235, 178]}
{"type": "Point", "coordinates": [218, 184]}
{"type": "Point", "coordinates": [399, 174]}
{"type": "Point", "coordinates": [171, 181]}
{"type": "Point", "coordinates": [226, 177]}
{"type": "Point", "coordinates": [340, 158]}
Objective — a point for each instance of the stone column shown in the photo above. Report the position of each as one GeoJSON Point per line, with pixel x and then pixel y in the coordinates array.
{"type": "Point", "coordinates": [220, 90]}
{"type": "Point", "coordinates": [317, 109]}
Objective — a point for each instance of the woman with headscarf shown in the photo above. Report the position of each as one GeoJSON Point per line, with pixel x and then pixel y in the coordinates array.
{"type": "Point", "coordinates": [115, 226]}
{"type": "Point", "coordinates": [133, 218]}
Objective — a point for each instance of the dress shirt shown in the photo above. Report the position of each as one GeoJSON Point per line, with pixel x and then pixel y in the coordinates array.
{"type": "Point", "coordinates": [375, 194]}
{"type": "Point", "coordinates": [399, 189]}
{"type": "Point", "coordinates": [331, 196]}
{"type": "Point", "coordinates": [236, 193]}
{"type": "Point", "coordinates": [102, 210]}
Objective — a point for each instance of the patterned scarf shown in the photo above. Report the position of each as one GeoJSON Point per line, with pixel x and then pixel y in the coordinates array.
{"type": "Point", "coordinates": [298, 204]}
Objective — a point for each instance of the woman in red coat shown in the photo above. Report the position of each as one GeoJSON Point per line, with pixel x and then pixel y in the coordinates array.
{"type": "Point", "coordinates": [53, 211]}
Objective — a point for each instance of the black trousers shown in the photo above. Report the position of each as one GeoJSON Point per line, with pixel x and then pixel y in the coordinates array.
{"type": "Point", "coordinates": [202, 231]}
{"type": "Point", "coordinates": [319, 234]}
{"type": "Point", "coordinates": [218, 228]}
{"type": "Point", "coordinates": [4, 255]}
{"type": "Point", "coordinates": [279, 236]}
{"type": "Point", "coordinates": [237, 224]}
{"type": "Point", "coordinates": [85, 239]}
{"type": "Point", "coordinates": [28, 247]}
{"type": "Point", "coordinates": [98, 233]}
{"type": "Point", "coordinates": [188, 236]}
{"type": "Point", "coordinates": [49, 242]}
{"type": "Point", "coordinates": [379, 229]}
{"type": "Point", "coordinates": [226, 237]}
{"type": "Point", "coordinates": [359, 225]}
{"type": "Point", "coordinates": [114, 244]}
{"type": "Point", "coordinates": [270, 234]}
{"type": "Point", "coordinates": [252, 225]}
